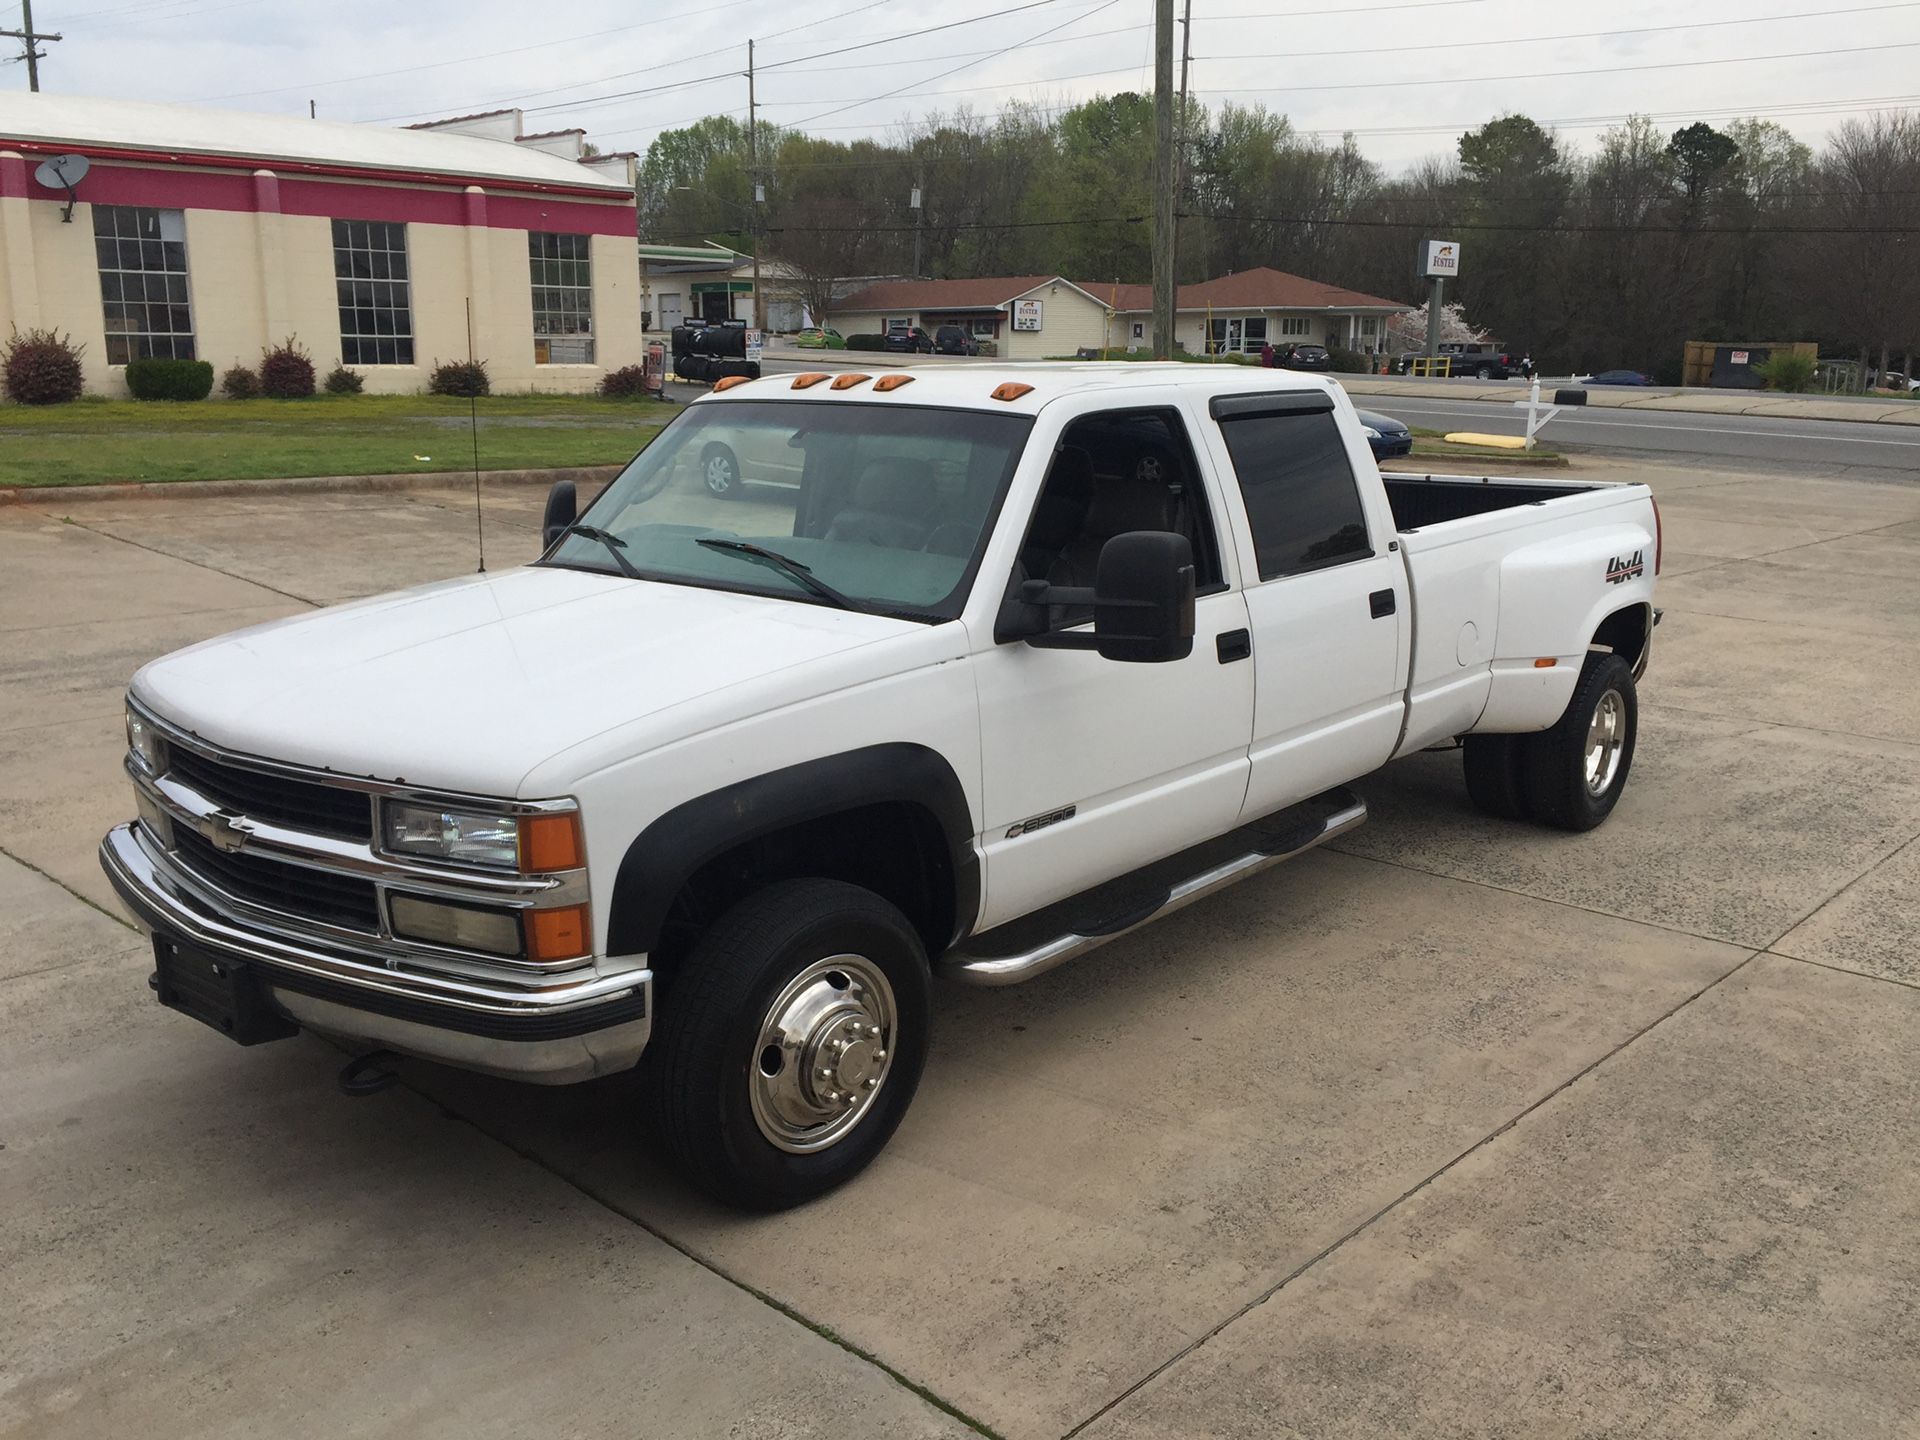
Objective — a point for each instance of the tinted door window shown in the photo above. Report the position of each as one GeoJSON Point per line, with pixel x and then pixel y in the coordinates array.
{"type": "Point", "coordinates": [1302, 502]}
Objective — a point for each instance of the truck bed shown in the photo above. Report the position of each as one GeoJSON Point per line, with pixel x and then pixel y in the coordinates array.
{"type": "Point", "coordinates": [1420, 500]}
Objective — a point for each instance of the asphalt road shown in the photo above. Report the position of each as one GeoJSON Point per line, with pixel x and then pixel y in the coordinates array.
{"type": "Point", "coordinates": [1747, 443]}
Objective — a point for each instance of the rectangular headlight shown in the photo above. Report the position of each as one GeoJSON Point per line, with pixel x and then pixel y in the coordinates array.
{"type": "Point", "coordinates": [465, 927]}
{"type": "Point", "coordinates": [463, 837]}
{"type": "Point", "coordinates": [144, 744]}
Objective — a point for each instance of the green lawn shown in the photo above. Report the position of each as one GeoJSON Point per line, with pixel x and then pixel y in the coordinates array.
{"type": "Point", "coordinates": [92, 441]}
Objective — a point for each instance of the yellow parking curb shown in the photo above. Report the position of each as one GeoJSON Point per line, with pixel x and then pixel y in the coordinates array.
{"type": "Point", "coordinates": [1491, 442]}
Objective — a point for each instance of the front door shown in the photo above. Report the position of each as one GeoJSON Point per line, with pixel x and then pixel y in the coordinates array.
{"type": "Point", "coordinates": [1095, 767]}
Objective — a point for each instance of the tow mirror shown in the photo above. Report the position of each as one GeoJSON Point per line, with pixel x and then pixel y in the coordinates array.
{"type": "Point", "coordinates": [1142, 601]}
{"type": "Point", "coordinates": [563, 506]}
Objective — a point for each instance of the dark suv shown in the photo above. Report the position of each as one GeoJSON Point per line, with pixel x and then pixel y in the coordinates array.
{"type": "Point", "coordinates": [913, 339]}
{"type": "Point", "coordinates": [953, 340]}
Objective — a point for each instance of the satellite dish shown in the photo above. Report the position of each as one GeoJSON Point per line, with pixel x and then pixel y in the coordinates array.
{"type": "Point", "coordinates": [62, 172]}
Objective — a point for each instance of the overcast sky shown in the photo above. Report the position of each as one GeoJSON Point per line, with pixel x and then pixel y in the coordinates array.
{"type": "Point", "coordinates": [1406, 75]}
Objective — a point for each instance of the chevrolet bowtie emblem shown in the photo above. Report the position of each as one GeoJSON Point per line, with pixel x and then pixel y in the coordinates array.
{"type": "Point", "coordinates": [225, 831]}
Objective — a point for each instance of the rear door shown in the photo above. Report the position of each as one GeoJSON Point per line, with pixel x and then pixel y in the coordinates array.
{"type": "Point", "coordinates": [1326, 594]}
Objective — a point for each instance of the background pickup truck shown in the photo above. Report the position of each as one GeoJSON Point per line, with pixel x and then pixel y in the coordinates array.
{"type": "Point", "coordinates": [972, 671]}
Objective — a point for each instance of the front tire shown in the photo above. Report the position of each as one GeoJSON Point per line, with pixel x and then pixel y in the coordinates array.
{"type": "Point", "coordinates": [1576, 771]}
{"type": "Point", "coordinates": [793, 1043]}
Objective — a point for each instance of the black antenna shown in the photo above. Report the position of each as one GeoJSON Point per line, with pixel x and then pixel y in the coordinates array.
{"type": "Point", "coordinates": [473, 423]}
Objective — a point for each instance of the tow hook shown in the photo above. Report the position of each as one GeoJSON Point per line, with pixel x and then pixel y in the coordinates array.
{"type": "Point", "coordinates": [370, 1073]}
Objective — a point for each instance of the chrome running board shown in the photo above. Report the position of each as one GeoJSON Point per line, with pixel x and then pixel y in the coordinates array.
{"type": "Point", "coordinates": [970, 967]}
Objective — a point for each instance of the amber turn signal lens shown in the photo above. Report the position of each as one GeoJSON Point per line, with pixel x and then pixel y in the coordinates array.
{"type": "Point", "coordinates": [1012, 390]}
{"type": "Point", "coordinates": [849, 380]}
{"type": "Point", "coordinates": [810, 379]}
{"type": "Point", "coordinates": [558, 934]}
{"type": "Point", "coordinates": [730, 381]}
{"type": "Point", "coordinates": [1546, 664]}
{"type": "Point", "coordinates": [892, 382]}
{"type": "Point", "coordinates": [551, 842]}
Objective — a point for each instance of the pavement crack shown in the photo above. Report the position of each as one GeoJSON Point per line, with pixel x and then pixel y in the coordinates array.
{"type": "Point", "coordinates": [1367, 1224]}
{"type": "Point", "coordinates": [197, 564]}
{"type": "Point", "coordinates": [52, 879]}
{"type": "Point", "coordinates": [610, 1203]}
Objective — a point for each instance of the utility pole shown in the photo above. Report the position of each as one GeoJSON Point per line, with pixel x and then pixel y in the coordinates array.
{"type": "Point", "coordinates": [31, 38]}
{"type": "Point", "coordinates": [1180, 139]}
{"type": "Point", "coordinates": [753, 167]}
{"type": "Point", "coordinates": [916, 202]}
{"type": "Point", "coordinates": [1164, 173]}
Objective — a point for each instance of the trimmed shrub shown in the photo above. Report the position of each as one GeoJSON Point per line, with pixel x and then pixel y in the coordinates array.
{"type": "Point", "coordinates": [240, 383]}
{"type": "Point", "coordinates": [286, 371]}
{"type": "Point", "coordinates": [866, 342]}
{"type": "Point", "coordinates": [1787, 370]}
{"type": "Point", "coordinates": [460, 377]}
{"type": "Point", "coordinates": [41, 368]}
{"type": "Point", "coordinates": [1348, 362]}
{"type": "Point", "coordinates": [342, 381]}
{"type": "Point", "coordinates": [629, 382]}
{"type": "Point", "coordinates": [169, 379]}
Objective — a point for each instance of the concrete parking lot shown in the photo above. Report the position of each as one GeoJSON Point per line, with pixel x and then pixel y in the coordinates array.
{"type": "Point", "coordinates": [1458, 1129]}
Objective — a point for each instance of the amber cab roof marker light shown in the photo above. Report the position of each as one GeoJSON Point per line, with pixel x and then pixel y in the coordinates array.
{"type": "Point", "coordinates": [1011, 390]}
{"type": "Point", "coordinates": [891, 382]}
{"type": "Point", "coordinates": [730, 382]}
{"type": "Point", "coordinates": [849, 380]}
{"type": "Point", "coordinates": [811, 378]}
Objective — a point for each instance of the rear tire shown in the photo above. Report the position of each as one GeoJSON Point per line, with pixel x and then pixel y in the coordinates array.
{"type": "Point", "coordinates": [806, 990]}
{"type": "Point", "coordinates": [1496, 774]}
{"type": "Point", "coordinates": [1576, 771]}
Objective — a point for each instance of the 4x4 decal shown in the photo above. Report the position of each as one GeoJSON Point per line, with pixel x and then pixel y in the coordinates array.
{"type": "Point", "coordinates": [1620, 571]}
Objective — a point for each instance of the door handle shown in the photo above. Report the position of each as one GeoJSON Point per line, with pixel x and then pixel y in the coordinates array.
{"type": "Point", "coordinates": [1381, 603]}
{"type": "Point", "coordinates": [1232, 645]}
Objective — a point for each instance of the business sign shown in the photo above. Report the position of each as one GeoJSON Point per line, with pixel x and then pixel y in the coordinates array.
{"type": "Point", "coordinates": [755, 344]}
{"type": "Point", "coordinates": [1442, 258]}
{"type": "Point", "coordinates": [1026, 314]}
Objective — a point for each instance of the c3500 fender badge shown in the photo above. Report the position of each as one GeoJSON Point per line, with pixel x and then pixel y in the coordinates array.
{"type": "Point", "coordinates": [1620, 571]}
{"type": "Point", "coordinates": [1040, 822]}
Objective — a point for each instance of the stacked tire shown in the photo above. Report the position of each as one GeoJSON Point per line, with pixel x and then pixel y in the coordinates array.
{"type": "Point", "coordinates": [706, 353]}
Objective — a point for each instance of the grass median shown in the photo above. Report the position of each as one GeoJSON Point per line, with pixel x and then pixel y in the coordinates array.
{"type": "Point", "coordinates": [94, 441]}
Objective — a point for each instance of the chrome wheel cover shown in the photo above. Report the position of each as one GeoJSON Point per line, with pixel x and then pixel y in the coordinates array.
{"type": "Point", "coordinates": [824, 1050]}
{"type": "Point", "coordinates": [1606, 739]}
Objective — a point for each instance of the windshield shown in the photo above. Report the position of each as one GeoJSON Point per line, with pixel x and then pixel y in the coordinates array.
{"type": "Point", "coordinates": [882, 507]}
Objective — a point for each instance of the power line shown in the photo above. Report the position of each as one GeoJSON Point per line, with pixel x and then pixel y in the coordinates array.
{"type": "Point", "coordinates": [1565, 74]}
{"type": "Point", "coordinates": [968, 65]}
{"type": "Point", "coordinates": [490, 55]}
{"type": "Point", "coordinates": [1431, 45]}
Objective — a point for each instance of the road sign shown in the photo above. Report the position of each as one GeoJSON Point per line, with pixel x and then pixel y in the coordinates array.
{"type": "Point", "coordinates": [1442, 258]}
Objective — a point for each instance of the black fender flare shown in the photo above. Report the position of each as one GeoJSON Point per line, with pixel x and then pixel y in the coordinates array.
{"type": "Point", "coordinates": [665, 855]}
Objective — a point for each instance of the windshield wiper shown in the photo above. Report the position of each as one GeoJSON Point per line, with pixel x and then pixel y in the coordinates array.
{"type": "Point", "coordinates": [786, 565]}
{"type": "Point", "coordinates": [616, 547]}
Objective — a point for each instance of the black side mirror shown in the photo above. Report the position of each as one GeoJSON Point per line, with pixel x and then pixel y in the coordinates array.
{"type": "Point", "coordinates": [563, 507]}
{"type": "Point", "coordinates": [1142, 601]}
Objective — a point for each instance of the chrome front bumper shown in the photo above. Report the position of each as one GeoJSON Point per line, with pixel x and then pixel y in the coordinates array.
{"type": "Point", "coordinates": [551, 1029]}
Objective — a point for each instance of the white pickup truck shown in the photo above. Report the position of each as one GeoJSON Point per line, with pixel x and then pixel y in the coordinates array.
{"type": "Point", "coordinates": [841, 683]}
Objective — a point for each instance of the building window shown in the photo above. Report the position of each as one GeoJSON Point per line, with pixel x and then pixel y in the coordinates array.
{"type": "Point", "coordinates": [562, 298]}
{"type": "Point", "coordinates": [899, 325]}
{"type": "Point", "coordinates": [1302, 503]}
{"type": "Point", "coordinates": [143, 283]}
{"type": "Point", "coordinates": [1256, 333]}
{"type": "Point", "coordinates": [1293, 324]}
{"type": "Point", "coordinates": [984, 329]}
{"type": "Point", "coordinates": [370, 280]}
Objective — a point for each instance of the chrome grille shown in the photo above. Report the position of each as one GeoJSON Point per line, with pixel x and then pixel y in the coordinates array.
{"type": "Point", "coordinates": [323, 895]}
{"type": "Point", "coordinates": [277, 799]}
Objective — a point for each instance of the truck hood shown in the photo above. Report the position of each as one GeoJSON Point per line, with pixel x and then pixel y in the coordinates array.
{"type": "Point", "coordinates": [468, 684]}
